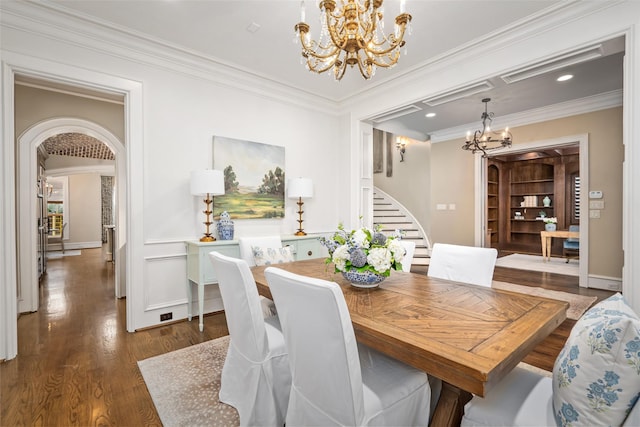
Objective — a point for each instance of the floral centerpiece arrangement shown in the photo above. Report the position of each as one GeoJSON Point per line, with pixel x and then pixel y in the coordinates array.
{"type": "Point", "coordinates": [365, 257]}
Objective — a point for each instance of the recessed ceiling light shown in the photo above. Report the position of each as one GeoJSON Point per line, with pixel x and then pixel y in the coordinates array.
{"type": "Point", "coordinates": [564, 77]}
{"type": "Point", "coordinates": [430, 115]}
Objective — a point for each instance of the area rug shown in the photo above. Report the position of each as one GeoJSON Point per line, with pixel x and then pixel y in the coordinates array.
{"type": "Point", "coordinates": [184, 385]}
{"type": "Point", "coordinates": [578, 304]}
{"type": "Point", "coordinates": [535, 263]}
{"type": "Point", "coordinates": [59, 254]}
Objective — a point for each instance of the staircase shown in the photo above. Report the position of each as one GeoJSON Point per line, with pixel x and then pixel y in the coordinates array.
{"type": "Point", "coordinates": [392, 216]}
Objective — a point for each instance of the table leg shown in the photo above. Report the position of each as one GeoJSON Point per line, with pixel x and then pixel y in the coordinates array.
{"type": "Point", "coordinates": [548, 248]}
{"type": "Point", "coordinates": [543, 241]}
{"type": "Point", "coordinates": [201, 305]}
{"type": "Point", "coordinates": [450, 406]}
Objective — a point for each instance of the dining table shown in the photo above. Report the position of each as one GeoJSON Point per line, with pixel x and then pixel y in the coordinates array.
{"type": "Point", "coordinates": [469, 336]}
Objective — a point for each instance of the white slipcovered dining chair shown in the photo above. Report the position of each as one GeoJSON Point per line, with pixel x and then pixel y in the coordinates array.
{"type": "Point", "coordinates": [467, 264]}
{"type": "Point", "coordinates": [410, 248]}
{"type": "Point", "coordinates": [247, 244]}
{"type": "Point", "coordinates": [595, 379]}
{"type": "Point", "coordinates": [256, 379]}
{"type": "Point", "coordinates": [335, 380]}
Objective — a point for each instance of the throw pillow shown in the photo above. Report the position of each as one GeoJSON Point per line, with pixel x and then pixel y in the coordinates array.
{"type": "Point", "coordinates": [596, 377]}
{"type": "Point", "coordinates": [268, 256]}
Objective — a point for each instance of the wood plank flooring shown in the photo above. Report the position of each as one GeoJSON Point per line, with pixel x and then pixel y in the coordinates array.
{"type": "Point", "coordinates": [77, 364]}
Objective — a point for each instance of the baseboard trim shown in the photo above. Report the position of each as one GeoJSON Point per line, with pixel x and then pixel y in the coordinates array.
{"type": "Point", "coordinates": [606, 283]}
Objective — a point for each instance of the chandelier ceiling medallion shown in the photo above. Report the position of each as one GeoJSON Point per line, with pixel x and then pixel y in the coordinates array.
{"type": "Point", "coordinates": [352, 35]}
{"type": "Point", "coordinates": [484, 140]}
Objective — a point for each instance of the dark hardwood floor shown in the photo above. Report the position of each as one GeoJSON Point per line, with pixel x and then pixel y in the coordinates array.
{"type": "Point", "coordinates": [76, 363]}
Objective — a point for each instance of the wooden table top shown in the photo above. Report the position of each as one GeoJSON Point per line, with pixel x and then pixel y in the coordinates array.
{"type": "Point", "coordinates": [469, 336]}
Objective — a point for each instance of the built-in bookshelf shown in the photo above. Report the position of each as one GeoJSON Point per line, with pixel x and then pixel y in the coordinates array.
{"type": "Point", "coordinates": [520, 193]}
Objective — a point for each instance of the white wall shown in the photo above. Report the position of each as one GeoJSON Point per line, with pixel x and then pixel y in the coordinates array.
{"type": "Point", "coordinates": [183, 108]}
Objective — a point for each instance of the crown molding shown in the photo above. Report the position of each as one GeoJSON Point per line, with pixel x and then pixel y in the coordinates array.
{"type": "Point", "coordinates": [57, 23]}
{"type": "Point", "coordinates": [537, 115]}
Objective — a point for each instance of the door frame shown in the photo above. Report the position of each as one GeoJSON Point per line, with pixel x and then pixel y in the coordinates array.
{"type": "Point", "coordinates": [480, 166]}
{"type": "Point", "coordinates": [130, 237]}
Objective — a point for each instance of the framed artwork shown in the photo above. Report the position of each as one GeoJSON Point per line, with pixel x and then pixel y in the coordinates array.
{"type": "Point", "coordinates": [378, 155]}
{"type": "Point", "coordinates": [254, 179]}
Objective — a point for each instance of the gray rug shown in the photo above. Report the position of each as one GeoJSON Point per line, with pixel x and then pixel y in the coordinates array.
{"type": "Point", "coordinates": [184, 385]}
{"type": "Point", "coordinates": [59, 254]}
{"type": "Point", "coordinates": [535, 263]}
{"type": "Point", "coordinates": [578, 304]}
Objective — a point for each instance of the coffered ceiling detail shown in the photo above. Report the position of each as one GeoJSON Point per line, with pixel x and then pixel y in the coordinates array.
{"type": "Point", "coordinates": [77, 145]}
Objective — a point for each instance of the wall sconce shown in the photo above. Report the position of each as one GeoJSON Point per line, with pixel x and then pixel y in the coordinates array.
{"type": "Point", "coordinates": [401, 144]}
{"type": "Point", "coordinates": [210, 183]}
{"type": "Point", "coordinates": [300, 188]}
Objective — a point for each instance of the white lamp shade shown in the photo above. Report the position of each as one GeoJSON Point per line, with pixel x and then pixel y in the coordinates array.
{"type": "Point", "coordinates": [207, 181]}
{"type": "Point", "coordinates": [300, 187]}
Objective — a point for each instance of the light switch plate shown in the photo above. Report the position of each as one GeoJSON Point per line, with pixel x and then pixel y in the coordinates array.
{"type": "Point", "coordinates": [594, 213]}
{"type": "Point", "coordinates": [596, 204]}
{"type": "Point", "coordinates": [595, 194]}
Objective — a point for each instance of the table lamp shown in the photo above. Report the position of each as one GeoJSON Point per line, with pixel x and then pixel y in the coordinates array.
{"type": "Point", "coordinates": [207, 183]}
{"type": "Point", "coordinates": [300, 188]}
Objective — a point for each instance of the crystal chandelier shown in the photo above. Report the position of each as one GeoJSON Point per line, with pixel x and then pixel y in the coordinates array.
{"type": "Point", "coordinates": [483, 140]}
{"type": "Point", "coordinates": [352, 35]}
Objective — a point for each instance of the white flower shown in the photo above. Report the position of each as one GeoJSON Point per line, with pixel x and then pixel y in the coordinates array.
{"type": "Point", "coordinates": [380, 259]}
{"type": "Point", "coordinates": [360, 239]}
{"type": "Point", "coordinates": [397, 249]}
{"type": "Point", "coordinates": [340, 257]}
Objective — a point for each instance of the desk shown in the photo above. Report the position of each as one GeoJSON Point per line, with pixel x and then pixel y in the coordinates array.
{"type": "Point", "coordinates": [547, 236]}
{"type": "Point", "coordinates": [469, 336]}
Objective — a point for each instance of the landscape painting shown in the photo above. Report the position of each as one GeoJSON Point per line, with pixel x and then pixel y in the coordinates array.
{"type": "Point", "coordinates": [253, 179]}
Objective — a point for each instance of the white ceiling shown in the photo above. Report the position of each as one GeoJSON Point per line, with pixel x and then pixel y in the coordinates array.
{"type": "Point", "coordinates": [218, 30]}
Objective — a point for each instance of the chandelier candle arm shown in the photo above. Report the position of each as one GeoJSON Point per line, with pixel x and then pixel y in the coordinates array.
{"type": "Point", "coordinates": [353, 37]}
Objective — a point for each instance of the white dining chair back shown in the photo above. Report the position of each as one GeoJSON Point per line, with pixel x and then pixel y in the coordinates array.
{"type": "Point", "coordinates": [247, 243]}
{"type": "Point", "coordinates": [467, 264]}
{"type": "Point", "coordinates": [410, 248]}
{"type": "Point", "coordinates": [255, 377]}
{"type": "Point", "coordinates": [335, 380]}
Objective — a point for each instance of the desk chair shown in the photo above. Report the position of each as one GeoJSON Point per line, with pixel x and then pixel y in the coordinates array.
{"type": "Point", "coordinates": [335, 380]}
{"type": "Point", "coordinates": [58, 239]}
{"type": "Point", "coordinates": [255, 377]}
{"type": "Point", "coordinates": [467, 264]}
{"type": "Point", "coordinates": [571, 245]}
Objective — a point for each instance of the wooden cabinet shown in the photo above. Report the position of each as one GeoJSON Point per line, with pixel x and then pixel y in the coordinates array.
{"type": "Point", "coordinates": [517, 187]}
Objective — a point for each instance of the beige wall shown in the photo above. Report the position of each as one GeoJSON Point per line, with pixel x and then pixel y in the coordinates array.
{"type": "Point", "coordinates": [409, 183]}
{"type": "Point", "coordinates": [33, 105]}
{"type": "Point", "coordinates": [85, 216]}
{"type": "Point", "coordinates": [453, 182]}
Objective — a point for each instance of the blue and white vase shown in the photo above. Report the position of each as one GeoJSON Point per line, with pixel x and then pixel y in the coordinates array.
{"type": "Point", "coordinates": [363, 279]}
{"type": "Point", "coordinates": [550, 226]}
{"type": "Point", "coordinates": [225, 227]}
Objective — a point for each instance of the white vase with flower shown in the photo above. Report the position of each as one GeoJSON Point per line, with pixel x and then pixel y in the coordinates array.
{"type": "Point", "coordinates": [550, 223]}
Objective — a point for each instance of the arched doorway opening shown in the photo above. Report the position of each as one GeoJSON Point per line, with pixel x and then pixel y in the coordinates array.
{"type": "Point", "coordinates": [26, 210]}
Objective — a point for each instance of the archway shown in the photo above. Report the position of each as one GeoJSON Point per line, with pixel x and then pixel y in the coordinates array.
{"type": "Point", "coordinates": [28, 143]}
